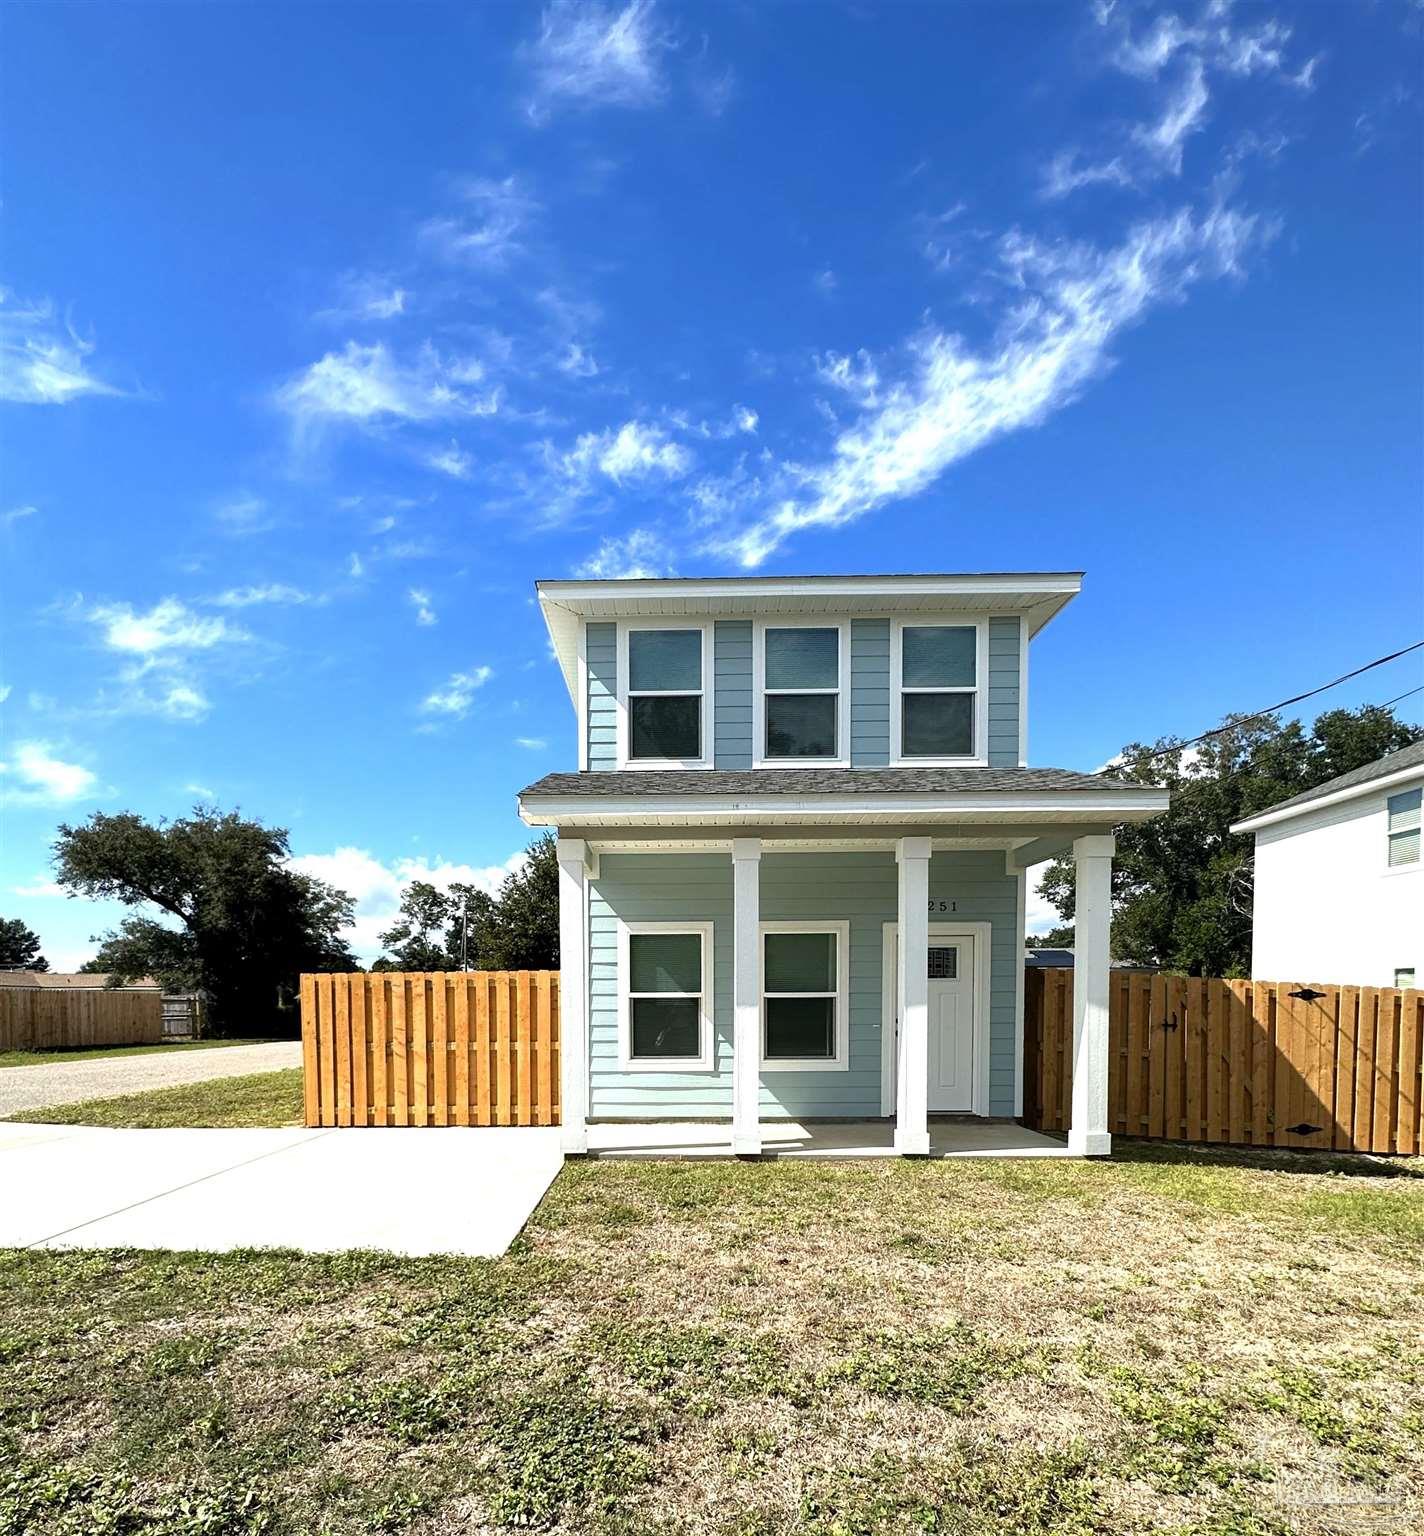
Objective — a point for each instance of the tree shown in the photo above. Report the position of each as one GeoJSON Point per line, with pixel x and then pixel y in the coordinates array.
{"type": "Point", "coordinates": [517, 930]}
{"type": "Point", "coordinates": [1182, 883]}
{"type": "Point", "coordinates": [236, 922]}
{"type": "Point", "coordinates": [20, 947]}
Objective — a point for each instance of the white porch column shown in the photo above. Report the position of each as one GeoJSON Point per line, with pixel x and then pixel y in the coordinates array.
{"type": "Point", "coordinates": [746, 996]}
{"type": "Point", "coordinates": [912, 1128]}
{"type": "Point", "coordinates": [573, 994]}
{"type": "Point", "coordinates": [1088, 1126]}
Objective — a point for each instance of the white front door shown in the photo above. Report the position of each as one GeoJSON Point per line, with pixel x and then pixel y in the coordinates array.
{"type": "Point", "coordinates": [951, 1025]}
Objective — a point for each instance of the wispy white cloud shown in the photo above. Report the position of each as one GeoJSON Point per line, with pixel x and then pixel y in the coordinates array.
{"type": "Point", "coordinates": [274, 592]}
{"type": "Point", "coordinates": [424, 610]}
{"type": "Point", "coordinates": [168, 626]}
{"type": "Point", "coordinates": [34, 775]}
{"type": "Point", "coordinates": [1181, 117]}
{"type": "Point", "coordinates": [1067, 173]}
{"type": "Point", "coordinates": [368, 386]}
{"type": "Point", "coordinates": [531, 743]}
{"type": "Point", "coordinates": [577, 362]}
{"type": "Point", "coordinates": [490, 227]}
{"type": "Point", "coordinates": [451, 460]}
{"type": "Point", "coordinates": [588, 55]}
{"type": "Point", "coordinates": [41, 887]}
{"type": "Point", "coordinates": [1069, 303]}
{"type": "Point", "coordinates": [641, 553]}
{"type": "Point", "coordinates": [454, 697]}
{"type": "Point", "coordinates": [16, 514]}
{"type": "Point", "coordinates": [6, 690]}
{"type": "Point", "coordinates": [43, 360]}
{"type": "Point", "coordinates": [244, 516]}
{"type": "Point", "coordinates": [365, 296]}
{"type": "Point", "coordinates": [635, 451]}
{"type": "Point", "coordinates": [377, 886]}
{"type": "Point", "coordinates": [355, 566]}
{"type": "Point", "coordinates": [201, 791]}
{"type": "Point", "coordinates": [825, 282]}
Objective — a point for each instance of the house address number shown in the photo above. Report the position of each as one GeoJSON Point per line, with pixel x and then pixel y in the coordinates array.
{"type": "Point", "coordinates": [944, 906]}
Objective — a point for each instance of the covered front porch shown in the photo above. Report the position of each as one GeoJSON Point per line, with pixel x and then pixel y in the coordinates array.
{"type": "Point", "coordinates": [902, 899]}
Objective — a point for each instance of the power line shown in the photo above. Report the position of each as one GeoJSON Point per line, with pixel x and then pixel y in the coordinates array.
{"type": "Point", "coordinates": [1345, 677]}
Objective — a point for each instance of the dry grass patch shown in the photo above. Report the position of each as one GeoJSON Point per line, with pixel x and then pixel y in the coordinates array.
{"type": "Point", "coordinates": [1175, 1342]}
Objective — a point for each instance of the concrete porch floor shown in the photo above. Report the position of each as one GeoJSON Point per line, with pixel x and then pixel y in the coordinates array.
{"type": "Point", "coordinates": [825, 1139]}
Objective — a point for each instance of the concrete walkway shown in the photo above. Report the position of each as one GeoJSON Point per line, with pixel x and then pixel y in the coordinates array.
{"type": "Point", "coordinates": [71, 1082]}
{"type": "Point", "coordinates": [446, 1191]}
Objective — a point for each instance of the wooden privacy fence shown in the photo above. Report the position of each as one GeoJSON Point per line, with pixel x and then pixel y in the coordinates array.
{"type": "Point", "coordinates": [431, 1048]}
{"type": "Point", "coordinates": [55, 1018]}
{"type": "Point", "coordinates": [1255, 1063]}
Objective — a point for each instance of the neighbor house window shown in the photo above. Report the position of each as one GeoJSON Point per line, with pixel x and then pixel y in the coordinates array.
{"type": "Point", "coordinates": [804, 996]}
{"type": "Point", "coordinates": [801, 692]}
{"type": "Point", "coordinates": [939, 684]}
{"type": "Point", "coordinates": [1404, 827]}
{"type": "Point", "coordinates": [664, 695]}
{"type": "Point", "coordinates": [665, 972]}
{"type": "Point", "coordinates": [1404, 976]}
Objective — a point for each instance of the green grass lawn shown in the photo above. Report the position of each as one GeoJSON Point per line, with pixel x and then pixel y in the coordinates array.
{"type": "Point", "coordinates": [57, 1057]}
{"type": "Point", "coordinates": [1177, 1341]}
{"type": "Point", "coordinates": [262, 1098]}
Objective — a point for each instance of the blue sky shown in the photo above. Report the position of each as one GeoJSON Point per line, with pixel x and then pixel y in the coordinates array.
{"type": "Point", "coordinates": [328, 329]}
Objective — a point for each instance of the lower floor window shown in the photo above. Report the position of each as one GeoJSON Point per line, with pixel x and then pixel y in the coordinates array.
{"type": "Point", "coordinates": [666, 973]}
{"type": "Point", "coordinates": [802, 996]}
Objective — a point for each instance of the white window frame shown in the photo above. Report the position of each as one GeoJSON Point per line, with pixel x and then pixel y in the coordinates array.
{"type": "Point", "coordinates": [707, 694]}
{"type": "Point", "coordinates": [978, 758]}
{"type": "Point", "coordinates": [840, 1061]}
{"type": "Point", "coordinates": [1391, 833]}
{"type": "Point", "coordinates": [841, 691]}
{"type": "Point", "coordinates": [704, 1061]}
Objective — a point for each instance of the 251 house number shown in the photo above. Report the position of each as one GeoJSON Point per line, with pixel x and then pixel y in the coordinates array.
{"type": "Point", "coordinates": [944, 906]}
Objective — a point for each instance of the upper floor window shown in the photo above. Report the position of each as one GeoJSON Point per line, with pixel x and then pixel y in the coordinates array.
{"type": "Point", "coordinates": [799, 695]}
{"type": "Point", "coordinates": [1404, 827]}
{"type": "Point", "coordinates": [664, 696]}
{"type": "Point", "coordinates": [937, 706]}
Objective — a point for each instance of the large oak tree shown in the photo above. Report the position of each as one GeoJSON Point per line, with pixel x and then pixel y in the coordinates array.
{"type": "Point", "coordinates": [226, 915]}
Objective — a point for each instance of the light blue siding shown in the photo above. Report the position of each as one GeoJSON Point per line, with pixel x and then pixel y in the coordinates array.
{"type": "Point", "coordinates": [1003, 693]}
{"type": "Point", "coordinates": [601, 652]}
{"type": "Point", "coordinates": [732, 705]}
{"type": "Point", "coordinates": [857, 887]}
{"type": "Point", "coordinates": [869, 693]}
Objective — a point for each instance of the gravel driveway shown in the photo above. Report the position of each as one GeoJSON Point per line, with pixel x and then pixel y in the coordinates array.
{"type": "Point", "coordinates": [69, 1082]}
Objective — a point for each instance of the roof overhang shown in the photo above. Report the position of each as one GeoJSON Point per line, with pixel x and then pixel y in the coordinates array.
{"type": "Point", "coordinates": [1270, 818]}
{"type": "Point", "coordinates": [1037, 595]}
{"type": "Point", "coordinates": [1070, 807]}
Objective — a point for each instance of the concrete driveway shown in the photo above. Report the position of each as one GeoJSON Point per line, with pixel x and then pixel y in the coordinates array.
{"type": "Point", "coordinates": [416, 1192]}
{"type": "Point", "coordinates": [71, 1082]}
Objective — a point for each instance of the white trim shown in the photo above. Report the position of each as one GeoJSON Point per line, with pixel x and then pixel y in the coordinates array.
{"type": "Point", "coordinates": [842, 692]}
{"type": "Point", "coordinates": [1115, 805]}
{"type": "Point", "coordinates": [706, 694]}
{"type": "Point", "coordinates": [979, 757]}
{"type": "Point", "coordinates": [1088, 1134]}
{"type": "Point", "coordinates": [1269, 818]}
{"type": "Point", "coordinates": [1020, 940]}
{"type": "Point", "coordinates": [840, 1061]}
{"type": "Point", "coordinates": [746, 997]}
{"type": "Point", "coordinates": [581, 702]}
{"type": "Point", "coordinates": [982, 934]}
{"type": "Point", "coordinates": [704, 1061]}
{"type": "Point", "coordinates": [573, 994]}
{"type": "Point", "coordinates": [1023, 691]}
{"type": "Point", "coordinates": [1391, 832]}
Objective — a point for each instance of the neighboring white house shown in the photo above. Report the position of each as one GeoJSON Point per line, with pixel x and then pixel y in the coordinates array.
{"type": "Point", "coordinates": [1339, 882]}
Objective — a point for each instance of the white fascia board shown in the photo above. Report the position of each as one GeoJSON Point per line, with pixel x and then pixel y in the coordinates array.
{"type": "Point", "coordinates": [1369, 787]}
{"type": "Point", "coordinates": [1118, 806]}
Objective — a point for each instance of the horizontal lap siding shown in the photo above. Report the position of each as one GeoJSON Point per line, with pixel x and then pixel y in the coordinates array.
{"type": "Point", "coordinates": [1004, 744]}
{"type": "Point", "coordinates": [983, 893]}
{"type": "Point", "coordinates": [857, 887]}
{"type": "Point", "coordinates": [870, 693]}
{"type": "Point", "coordinates": [732, 704]}
{"type": "Point", "coordinates": [662, 887]}
{"type": "Point", "coordinates": [601, 653]}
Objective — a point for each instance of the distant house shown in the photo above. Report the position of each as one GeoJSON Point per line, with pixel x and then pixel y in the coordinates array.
{"type": "Point", "coordinates": [1339, 882]}
{"type": "Point", "coordinates": [74, 981]}
{"type": "Point", "coordinates": [1046, 959]}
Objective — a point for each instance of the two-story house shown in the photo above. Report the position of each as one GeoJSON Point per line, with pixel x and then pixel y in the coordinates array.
{"type": "Point", "coordinates": [794, 856]}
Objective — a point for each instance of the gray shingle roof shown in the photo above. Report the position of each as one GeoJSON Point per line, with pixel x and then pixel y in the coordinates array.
{"type": "Point", "coordinates": [1391, 762]}
{"type": "Point", "coordinates": [823, 781]}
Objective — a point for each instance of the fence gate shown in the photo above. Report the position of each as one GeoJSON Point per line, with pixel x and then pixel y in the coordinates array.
{"type": "Point", "coordinates": [1254, 1063]}
{"type": "Point", "coordinates": [431, 1048]}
